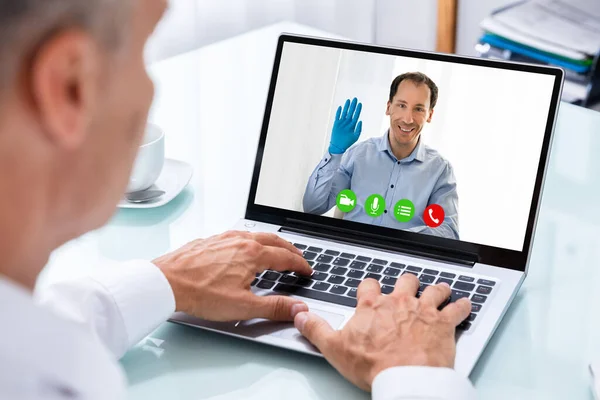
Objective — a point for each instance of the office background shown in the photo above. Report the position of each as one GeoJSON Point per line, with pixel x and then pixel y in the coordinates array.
{"type": "Point", "coordinates": [491, 137]}
{"type": "Point", "coordinates": [190, 24]}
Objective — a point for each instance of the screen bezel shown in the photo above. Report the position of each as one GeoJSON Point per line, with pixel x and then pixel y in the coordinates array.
{"type": "Point", "coordinates": [490, 255]}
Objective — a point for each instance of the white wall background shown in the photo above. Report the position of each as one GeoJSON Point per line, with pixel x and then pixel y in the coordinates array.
{"type": "Point", "coordinates": [190, 24]}
{"type": "Point", "coordinates": [492, 137]}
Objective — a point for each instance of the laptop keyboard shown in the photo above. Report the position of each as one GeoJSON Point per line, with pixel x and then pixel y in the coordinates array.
{"type": "Point", "coordinates": [336, 275]}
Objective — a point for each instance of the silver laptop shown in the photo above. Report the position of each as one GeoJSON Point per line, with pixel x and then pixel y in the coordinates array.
{"type": "Point", "coordinates": [442, 179]}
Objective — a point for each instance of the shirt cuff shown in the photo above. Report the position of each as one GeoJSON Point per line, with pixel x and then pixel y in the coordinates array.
{"type": "Point", "coordinates": [403, 383]}
{"type": "Point", "coordinates": [330, 160]}
{"type": "Point", "coordinates": [142, 294]}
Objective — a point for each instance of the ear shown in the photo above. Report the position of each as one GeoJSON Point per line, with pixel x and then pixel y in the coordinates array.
{"type": "Point", "coordinates": [430, 115]}
{"type": "Point", "coordinates": [64, 82]}
{"type": "Point", "coordinates": [387, 109]}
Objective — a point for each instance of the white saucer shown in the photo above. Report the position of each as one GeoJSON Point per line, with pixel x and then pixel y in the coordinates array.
{"type": "Point", "coordinates": [173, 179]}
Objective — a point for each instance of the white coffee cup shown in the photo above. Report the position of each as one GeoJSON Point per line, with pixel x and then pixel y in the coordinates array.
{"type": "Point", "coordinates": [149, 161]}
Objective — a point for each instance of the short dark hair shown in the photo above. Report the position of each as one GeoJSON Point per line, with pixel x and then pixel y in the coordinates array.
{"type": "Point", "coordinates": [419, 78]}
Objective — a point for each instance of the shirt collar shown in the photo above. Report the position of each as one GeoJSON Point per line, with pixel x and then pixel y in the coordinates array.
{"type": "Point", "coordinates": [417, 154]}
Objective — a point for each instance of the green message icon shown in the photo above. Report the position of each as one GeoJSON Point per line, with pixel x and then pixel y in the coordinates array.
{"type": "Point", "coordinates": [375, 205]}
{"type": "Point", "coordinates": [404, 210]}
{"type": "Point", "coordinates": [346, 200]}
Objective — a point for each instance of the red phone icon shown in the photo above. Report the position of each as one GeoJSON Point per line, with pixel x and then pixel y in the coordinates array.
{"type": "Point", "coordinates": [434, 216]}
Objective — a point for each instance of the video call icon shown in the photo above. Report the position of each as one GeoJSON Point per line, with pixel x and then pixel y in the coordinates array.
{"type": "Point", "coordinates": [375, 205]}
{"type": "Point", "coordinates": [404, 210]}
{"type": "Point", "coordinates": [346, 200]}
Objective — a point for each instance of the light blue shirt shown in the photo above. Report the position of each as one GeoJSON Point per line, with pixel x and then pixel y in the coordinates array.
{"type": "Point", "coordinates": [370, 167]}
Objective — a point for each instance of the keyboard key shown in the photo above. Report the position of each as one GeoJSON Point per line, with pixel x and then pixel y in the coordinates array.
{"type": "Point", "coordinates": [472, 317]}
{"type": "Point", "coordinates": [371, 275]}
{"type": "Point", "coordinates": [352, 292]}
{"type": "Point", "coordinates": [309, 255]}
{"type": "Point", "coordinates": [448, 275]}
{"type": "Point", "coordinates": [486, 282]}
{"type": "Point", "coordinates": [375, 268]}
{"type": "Point", "coordinates": [265, 284]}
{"type": "Point", "coordinates": [410, 272]}
{"type": "Point", "coordinates": [311, 263]}
{"type": "Point", "coordinates": [324, 259]}
{"type": "Point", "coordinates": [341, 261]}
{"type": "Point", "coordinates": [304, 281]}
{"type": "Point", "coordinates": [484, 290]}
{"type": "Point", "coordinates": [300, 246]}
{"type": "Point", "coordinates": [457, 294]}
{"type": "Point", "coordinates": [478, 299]}
{"type": "Point", "coordinates": [388, 280]}
{"type": "Point", "coordinates": [319, 276]}
{"type": "Point", "coordinates": [431, 272]}
{"type": "Point", "coordinates": [385, 289]}
{"type": "Point", "coordinates": [338, 280]}
{"type": "Point", "coordinates": [355, 274]}
{"type": "Point", "coordinates": [358, 265]}
{"type": "Point", "coordinates": [379, 261]}
{"type": "Point", "coordinates": [397, 265]}
{"type": "Point", "coordinates": [466, 278]}
{"type": "Point", "coordinates": [316, 295]}
{"type": "Point", "coordinates": [336, 289]}
{"type": "Point", "coordinates": [339, 271]}
{"type": "Point", "coordinates": [348, 255]}
{"type": "Point", "coordinates": [288, 279]}
{"type": "Point", "coordinates": [475, 307]}
{"type": "Point", "coordinates": [391, 271]}
{"type": "Point", "coordinates": [363, 258]}
{"type": "Point", "coordinates": [271, 275]}
{"type": "Point", "coordinates": [254, 282]}
{"type": "Point", "coordinates": [315, 249]}
{"type": "Point", "coordinates": [258, 274]}
{"type": "Point", "coordinates": [464, 326]}
{"type": "Point", "coordinates": [422, 287]}
{"type": "Point", "coordinates": [322, 267]}
{"type": "Point", "coordinates": [427, 278]}
{"type": "Point", "coordinates": [322, 286]}
{"type": "Point", "coordinates": [413, 268]}
{"type": "Point", "coordinates": [332, 253]}
{"type": "Point", "coordinates": [448, 281]}
{"type": "Point", "coordinates": [464, 286]}
{"type": "Point", "coordinates": [353, 283]}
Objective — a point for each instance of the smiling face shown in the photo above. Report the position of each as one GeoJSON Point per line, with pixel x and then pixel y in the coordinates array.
{"type": "Point", "coordinates": [409, 110]}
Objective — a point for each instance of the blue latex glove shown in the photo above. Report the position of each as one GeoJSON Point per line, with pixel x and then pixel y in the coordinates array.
{"type": "Point", "coordinates": [346, 128]}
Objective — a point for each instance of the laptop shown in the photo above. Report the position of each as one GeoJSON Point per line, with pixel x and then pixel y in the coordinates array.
{"type": "Point", "coordinates": [442, 179]}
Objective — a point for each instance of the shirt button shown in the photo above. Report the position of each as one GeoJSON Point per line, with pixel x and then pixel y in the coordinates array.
{"type": "Point", "coordinates": [398, 162]}
{"type": "Point", "coordinates": [385, 211]}
{"type": "Point", "coordinates": [392, 186]}
{"type": "Point", "coordinates": [325, 160]}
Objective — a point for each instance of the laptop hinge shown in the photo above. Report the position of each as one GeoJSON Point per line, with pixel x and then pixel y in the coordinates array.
{"type": "Point", "coordinates": [380, 242]}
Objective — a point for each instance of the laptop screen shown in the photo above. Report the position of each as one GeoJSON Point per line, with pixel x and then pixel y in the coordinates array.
{"type": "Point", "coordinates": [420, 145]}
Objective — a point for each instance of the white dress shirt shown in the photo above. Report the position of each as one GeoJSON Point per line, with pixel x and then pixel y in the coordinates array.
{"type": "Point", "coordinates": [65, 343]}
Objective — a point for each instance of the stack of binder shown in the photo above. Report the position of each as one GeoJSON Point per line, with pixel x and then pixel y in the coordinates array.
{"type": "Point", "coordinates": [552, 32]}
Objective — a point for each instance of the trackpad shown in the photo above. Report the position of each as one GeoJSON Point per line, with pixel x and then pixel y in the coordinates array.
{"type": "Point", "coordinates": [285, 330]}
{"type": "Point", "coordinates": [335, 320]}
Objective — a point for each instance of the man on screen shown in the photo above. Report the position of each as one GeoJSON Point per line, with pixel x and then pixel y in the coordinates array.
{"type": "Point", "coordinates": [397, 166]}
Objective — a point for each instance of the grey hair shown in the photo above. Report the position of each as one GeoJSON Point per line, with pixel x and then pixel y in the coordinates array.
{"type": "Point", "coordinates": [26, 24]}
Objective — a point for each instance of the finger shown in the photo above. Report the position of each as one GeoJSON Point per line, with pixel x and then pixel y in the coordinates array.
{"type": "Point", "coordinates": [357, 114]}
{"type": "Point", "coordinates": [368, 291]}
{"type": "Point", "coordinates": [408, 284]}
{"type": "Point", "coordinates": [435, 295]}
{"type": "Point", "coordinates": [276, 308]}
{"type": "Point", "coordinates": [279, 259]}
{"type": "Point", "coordinates": [458, 311]}
{"type": "Point", "coordinates": [316, 330]}
{"type": "Point", "coordinates": [345, 110]}
{"type": "Point", "coordinates": [338, 114]}
{"type": "Point", "coordinates": [271, 239]}
{"type": "Point", "coordinates": [350, 115]}
{"type": "Point", "coordinates": [358, 130]}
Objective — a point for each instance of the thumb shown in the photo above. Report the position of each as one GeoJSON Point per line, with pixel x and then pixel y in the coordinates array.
{"type": "Point", "coordinates": [315, 329]}
{"type": "Point", "coordinates": [276, 308]}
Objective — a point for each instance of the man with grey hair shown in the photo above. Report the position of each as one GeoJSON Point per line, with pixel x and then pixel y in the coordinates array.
{"type": "Point", "coordinates": [74, 98]}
